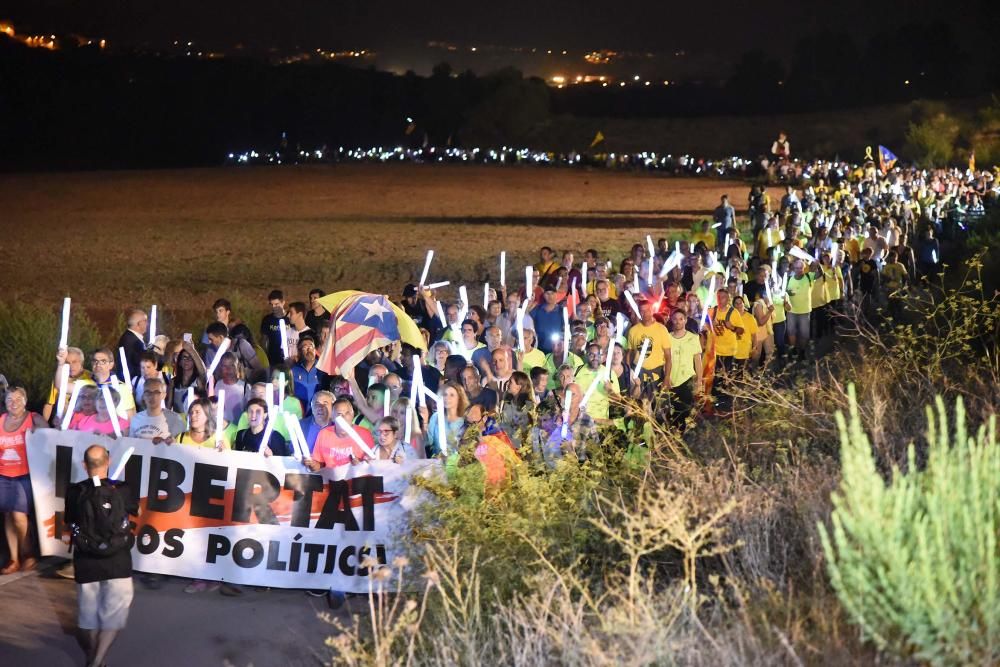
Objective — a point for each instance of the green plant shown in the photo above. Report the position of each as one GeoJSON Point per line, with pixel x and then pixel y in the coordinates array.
{"type": "Point", "coordinates": [915, 560]}
{"type": "Point", "coordinates": [932, 141]}
{"type": "Point", "coordinates": [29, 335]}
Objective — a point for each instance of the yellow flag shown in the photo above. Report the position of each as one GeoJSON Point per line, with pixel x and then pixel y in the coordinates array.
{"type": "Point", "coordinates": [598, 138]}
{"type": "Point", "coordinates": [972, 161]}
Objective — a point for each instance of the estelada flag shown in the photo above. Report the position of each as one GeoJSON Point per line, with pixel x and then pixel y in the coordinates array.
{"type": "Point", "coordinates": [598, 138]}
{"type": "Point", "coordinates": [886, 158]}
{"type": "Point", "coordinates": [359, 323]}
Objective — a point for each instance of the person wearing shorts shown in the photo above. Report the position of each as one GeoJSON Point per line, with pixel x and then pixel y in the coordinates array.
{"type": "Point", "coordinates": [104, 583]}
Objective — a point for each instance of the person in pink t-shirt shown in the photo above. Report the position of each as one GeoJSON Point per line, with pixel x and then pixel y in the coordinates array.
{"type": "Point", "coordinates": [100, 422]}
{"type": "Point", "coordinates": [334, 446]}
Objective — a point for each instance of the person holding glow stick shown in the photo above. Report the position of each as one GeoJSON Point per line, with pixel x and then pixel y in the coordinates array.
{"type": "Point", "coordinates": [251, 439]}
{"type": "Point", "coordinates": [98, 422]}
{"type": "Point", "coordinates": [334, 446]}
{"type": "Point", "coordinates": [727, 327]}
{"type": "Point", "coordinates": [685, 370]}
{"type": "Point", "coordinates": [452, 402]}
{"type": "Point", "coordinates": [73, 358]}
{"type": "Point", "coordinates": [155, 422]}
{"type": "Point", "coordinates": [655, 370]}
{"type": "Point", "coordinates": [201, 431]}
{"type": "Point", "coordinates": [133, 340]}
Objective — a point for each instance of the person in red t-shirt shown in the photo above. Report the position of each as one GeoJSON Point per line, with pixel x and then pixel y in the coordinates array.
{"type": "Point", "coordinates": [15, 484]}
{"type": "Point", "coordinates": [334, 446]}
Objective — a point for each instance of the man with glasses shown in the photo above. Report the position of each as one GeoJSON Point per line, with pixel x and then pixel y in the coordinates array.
{"type": "Point", "coordinates": [102, 361]}
{"type": "Point", "coordinates": [156, 423]}
{"type": "Point", "coordinates": [74, 357]}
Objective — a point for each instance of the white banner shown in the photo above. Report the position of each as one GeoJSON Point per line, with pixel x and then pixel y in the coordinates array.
{"type": "Point", "coordinates": [237, 516]}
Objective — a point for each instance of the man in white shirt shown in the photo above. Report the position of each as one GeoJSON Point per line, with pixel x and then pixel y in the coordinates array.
{"type": "Point", "coordinates": [155, 422]}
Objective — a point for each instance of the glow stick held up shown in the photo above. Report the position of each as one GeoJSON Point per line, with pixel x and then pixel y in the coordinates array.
{"type": "Point", "coordinates": [486, 296]}
{"type": "Point", "coordinates": [220, 411]}
{"type": "Point", "coordinates": [444, 320]}
{"type": "Point", "coordinates": [520, 329]}
{"type": "Point", "coordinates": [443, 283]}
{"type": "Point", "coordinates": [463, 294]}
{"type": "Point", "coordinates": [266, 437]}
{"type": "Point", "coordinates": [767, 289]}
{"type": "Point", "coordinates": [583, 276]}
{"type": "Point", "coordinates": [281, 390]}
{"type": "Point", "coordinates": [633, 305]}
{"type": "Point", "coordinates": [189, 399]}
{"type": "Point", "coordinates": [418, 380]}
{"type": "Point", "coordinates": [529, 284]}
{"type": "Point", "coordinates": [68, 414]}
{"type": "Point", "coordinates": [284, 338]}
{"type": "Point", "coordinates": [125, 371]}
{"type": "Point", "coordinates": [120, 468]}
{"type": "Point", "coordinates": [269, 398]}
{"type": "Point", "coordinates": [566, 338]}
{"type": "Point", "coordinates": [63, 384]}
{"type": "Point", "coordinates": [152, 324]}
{"type": "Point", "coordinates": [649, 247]}
{"type": "Point", "coordinates": [708, 302]}
{"type": "Point", "coordinates": [608, 354]}
{"type": "Point", "coordinates": [503, 268]}
{"type": "Point", "coordinates": [353, 435]}
{"type": "Point", "coordinates": [427, 267]}
{"type": "Point", "coordinates": [567, 404]}
{"type": "Point", "coordinates": [442, 428]}
{"type": "Point", "coordinates": [642, 358]}
{"type": "Point", "coordinates": [386, 396]}
{"type": "Point", "coordinates": [64, 331]}
{"type": "Point", "coordinates": [112, 410]}
{"type": "Point", "coordinates": [223, 347]}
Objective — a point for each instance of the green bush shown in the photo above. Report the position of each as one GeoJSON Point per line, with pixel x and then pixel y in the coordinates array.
{"type": "Point", "coordinates": [932, 141]}
{"type": "Point", "coordinates": [915, 561]}
{"type": "Point", "coordinates": [29, 335]}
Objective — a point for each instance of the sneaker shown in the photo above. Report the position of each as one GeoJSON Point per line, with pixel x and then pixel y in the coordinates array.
{"type": "Point", "coordinates": [67, 571]}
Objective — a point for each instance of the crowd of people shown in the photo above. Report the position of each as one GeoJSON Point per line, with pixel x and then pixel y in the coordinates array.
{"type": "Point", "coordinates": [539, 367]}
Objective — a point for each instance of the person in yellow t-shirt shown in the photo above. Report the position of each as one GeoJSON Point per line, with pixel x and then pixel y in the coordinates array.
{"type": "Point", "coordinates": [706, 235]}
{"type": "Point", "coordinates": [725, 328]}
{"type": "Point", "coordinates": [820, 297]}
{"type": "Point", "coordinates": [763, 344]}
{"type": "Point", "coordinates": [201, 427]}
{"type": "Point", "coordinates": [546, 263]}
{"type": "Point", "coordinates": [798, 306]}
{"type": "Point", "coordinates": [894, 278]}
{"type": "Point", "coordinates": [655, 369]}
{"type": "Point", "coordinates": [685, 370]}
{"type": "Point", "coordinates": [745, 340]}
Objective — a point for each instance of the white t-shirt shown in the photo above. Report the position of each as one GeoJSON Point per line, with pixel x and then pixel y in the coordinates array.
{"type": "Point", "coordinates": [165, 425]}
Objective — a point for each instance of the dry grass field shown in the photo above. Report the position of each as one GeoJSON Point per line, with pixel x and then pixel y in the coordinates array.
{"type": "Point", "coordinates": [182, 238]}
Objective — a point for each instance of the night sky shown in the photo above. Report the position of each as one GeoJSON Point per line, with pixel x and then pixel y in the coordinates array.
{"type": "Point", "coordinates": [728, 27]}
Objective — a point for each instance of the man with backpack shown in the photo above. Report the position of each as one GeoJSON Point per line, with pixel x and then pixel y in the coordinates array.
{"type": "Point", "coordinates": [98, 512]}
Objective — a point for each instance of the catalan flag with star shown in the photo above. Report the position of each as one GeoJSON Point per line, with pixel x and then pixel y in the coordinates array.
{"type": "Point", "coordinates": [362, 322]}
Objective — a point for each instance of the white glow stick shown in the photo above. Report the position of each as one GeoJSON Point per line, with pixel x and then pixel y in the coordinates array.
{"type": "Point", "coordinates": [418, 380]}
{"type": "Point", "coordinates": [112, 411]}
{"type": "Point", "coordinates": [189, 399]}
{"type": "Point", "coordinates": [934, 256]}
{"type": "Point", "coordinates": [299, 443]}
{"type": "Point", "coordinates": [342, 423]}
{"type": "Point", "coordinates": [649, 272]}
{"type": "Point", "coordinates": [427, 266]}
{"type": "Point", "coordinates": [463, 294]}
{"type": "Point", "coordinates": [121, 464]}
{"type": "Point", "coordinates": [125, 371]}
{"type": "Point", "coordinates": [716, 225]}
{"type": "Point", "coordinates": [217, 359]}
{"type": "Point", "coordinates": [270, 397]}
{"type": "Point", "coordinates": [672, 261]}
{"type": "Point", "coordinates": [503, 268]}
{"type": "Point", "coordinates": [266, 436]}
{"type": "Point", "coordinates": [64, 331]}
{"type": "Point", "coordinates": [443, 283]}
{"type": "Point", "coordinates": [784, 284]}
{"type": "Point", "coordinates": [635, 282]}
{"type": "Point", "coordinates": [567, 403]}
{"type": "Point", "coordinates": [642, 358]}
{"type": "Point", "coordinates": [767, 288]}
{"type": "Point", "coordinates": [284, 338]}
{"type": "Point", "coordinates": [63, 382]}
{"type": "Point", "coordinates": [677, 248]}
{"type": "Point", "coordinates": [281, 391]}
{"type": "Point", "coordinates": [708, 302]}
{"type": "Point", "coordinates": [591, 389]}
{"type": "Point", "coordinates": [769, 244]}
{"type": "Point", "coordinates": [68, 414]}
{"type": "Point", "coordinates": [529, 284]}
{"type": "Point", "coordinates": [486, 296]}
{"type": "Point", "coordinates": [633, 305]}
{"type": "Point", "coordinates": [220, 411]}
{"type": "Point", "coordinates": [729, 242]}
{"type": "Point", "coordinates": [444, 320]}
{"type": "Point", "coordinates": [607, 357]}
{"type": "Point", "coordinates": [835, 252]}
{"type": "Point", "coordinates": [385, 402]}
{"type": "Point", "coordinates": [152, 324]}
{"type": "Point", "coordinates": [442, 428]}
{"type": "Point", "coordinates": [583, 276]}
{"type": "Point", "coordinates": [408, 429]}
{"type": "Point", "coordinates": [520, 329]}
{"type": "Point", "coordinates": [799, 253]}
{"type": "Point", "coordinates": [566, 339]}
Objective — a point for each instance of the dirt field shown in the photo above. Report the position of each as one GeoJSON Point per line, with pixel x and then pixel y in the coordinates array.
{"type": "Point", "coordinates": [182, 238]}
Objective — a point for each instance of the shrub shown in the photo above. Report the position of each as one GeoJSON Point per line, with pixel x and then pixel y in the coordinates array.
{"type": "Point", "coordinates": [932, 141]}
{"type": "Point", "coordinates": [915, 561]}
{"type": "Point", "coordinates": [29, 335]}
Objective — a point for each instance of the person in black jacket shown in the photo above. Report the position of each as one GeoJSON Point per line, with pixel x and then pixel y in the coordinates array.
{"type": "Point", "coordinates": [104, 582]}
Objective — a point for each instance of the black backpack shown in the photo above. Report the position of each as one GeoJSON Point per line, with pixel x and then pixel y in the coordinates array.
{"type": "Point", "coordinates": [102, 527]}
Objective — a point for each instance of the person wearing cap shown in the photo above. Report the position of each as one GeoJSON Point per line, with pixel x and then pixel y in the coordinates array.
{"type": "Point", "coordinates": [133, 340]}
